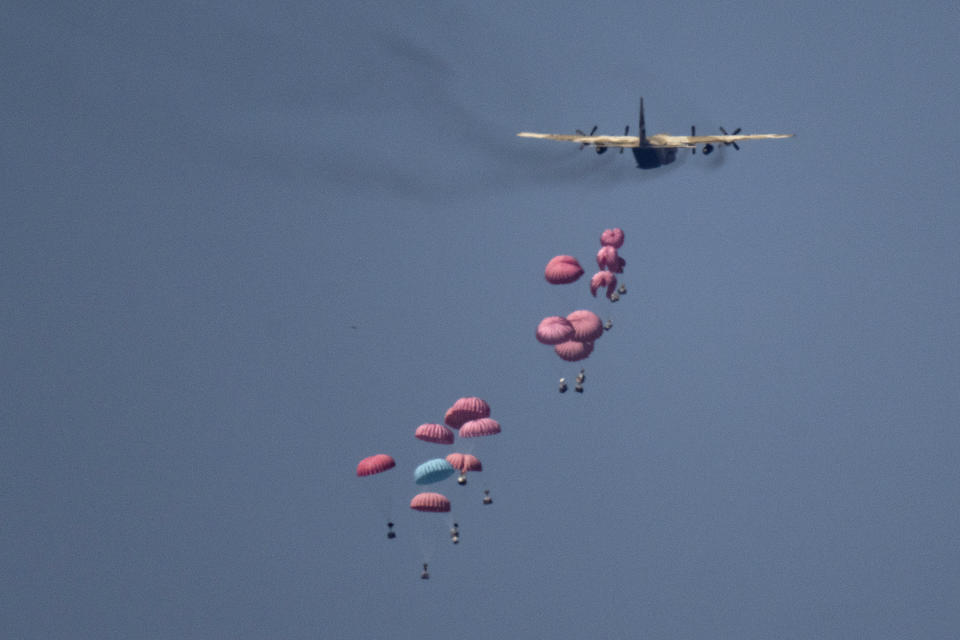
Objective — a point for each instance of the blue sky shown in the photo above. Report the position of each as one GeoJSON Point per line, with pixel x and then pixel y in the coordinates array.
{"type": "Point", "coordinates": [245, 246]}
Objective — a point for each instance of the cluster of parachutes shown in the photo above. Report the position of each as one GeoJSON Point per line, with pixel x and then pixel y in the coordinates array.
{"type": "Point", "coordinates": [469, 417]}
{"type": "Point", "coordinates": [572, 337]}
{"type": "Point", "coordinates": [565, 269]}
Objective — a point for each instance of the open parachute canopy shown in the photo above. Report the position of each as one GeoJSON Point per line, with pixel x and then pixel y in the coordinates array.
{"type": "Point", "coordinates": [430, 502]}
{"type": "Point", "coordinates": [574, 350]}
{"type": "Point", "coordinates": [603, 279]}
{"type": "Point", "coordinates": [480, 427]}
{"type": "Point", "coordinates": [431, 432]}
{"type": "Point", "coordinates": [612, 238]}
{"type": "Point", "coordinates": [554, 330]}
{"type": "Point", "coordinates": [433, 471]}
{"type": "Point", "coordinates": [464, 462]}
{"type": "Point", "coordinates": [466, 409]}
{"type": "Point", "coordinates": [587, 325]}
{"type": "Point", "coordinates": [562, 270]}
{"type": "Point", "coordinates": [375, 464]}
{"type": "Point", "coordinates": [607, 258]}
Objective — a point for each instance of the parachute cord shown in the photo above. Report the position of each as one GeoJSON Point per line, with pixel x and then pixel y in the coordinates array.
{"type": "Point", "coordinates": [429, 533]}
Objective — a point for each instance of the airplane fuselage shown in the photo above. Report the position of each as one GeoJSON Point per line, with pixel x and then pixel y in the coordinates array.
{"type": "Point", "coordinates": [650, 157]}
{"type": "Point", "coordinates": [653, 157]}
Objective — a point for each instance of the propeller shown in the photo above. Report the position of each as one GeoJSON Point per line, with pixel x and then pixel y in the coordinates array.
{"type": "Point", "coordinates": [626, 132]}
{"type": "Point", "coordinates": [581, 133]}
{"type": "Point", "coordinates": [693, 149]}
{"type": "Point", "coordinates": [735, 145]}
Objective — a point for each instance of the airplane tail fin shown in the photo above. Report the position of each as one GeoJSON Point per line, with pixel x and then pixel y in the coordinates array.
{"type": "Point", "coordinates": [643, 126]}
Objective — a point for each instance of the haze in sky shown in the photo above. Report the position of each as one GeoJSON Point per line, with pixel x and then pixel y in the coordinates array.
{"type": "Point", "coordinates": [245, 246]}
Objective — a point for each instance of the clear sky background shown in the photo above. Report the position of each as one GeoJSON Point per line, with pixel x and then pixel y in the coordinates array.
{"type": "Point", "coordinates": [244, 246]}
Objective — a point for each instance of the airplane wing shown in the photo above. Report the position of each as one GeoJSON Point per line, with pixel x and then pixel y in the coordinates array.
{"type": "Point", "coordinates": [662, 140]}
{"type": "Point", "coordinates": [600, 141]}
{"type": "Point", "coordinates": [685, 142]}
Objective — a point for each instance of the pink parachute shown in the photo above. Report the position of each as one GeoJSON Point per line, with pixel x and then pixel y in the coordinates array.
{"type": "Point", "coordinates": [375, 464]}
{"type": "Point", "coordinates": [480, 427]}
{"type": "Point", "coordinates": [563, 270]}
{"type": "Point", "coordinates": [464, 462]}
{"type": "Point", "coordinates": [603, 279]}
{"type": "Point", "coordinates": [607, 258]}
{"type": "Point", "coordinates": [434, 433]}
{"type": "Point", "coordinates": [430, 502]}
{"type": "Point", "coordinates": [466, 409]}
{"type": "Point", "coordinates": [612, 238]}
{"type": "Point", "coordinates": [586, 326]}
{"type": "Point", "coordinates": [554, 329]}
{"type": "Point", "coordinates": [572, 350]}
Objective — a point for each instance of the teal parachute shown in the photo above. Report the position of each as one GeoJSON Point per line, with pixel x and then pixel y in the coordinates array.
{"type": "Point", "coordinates": [433, 471]}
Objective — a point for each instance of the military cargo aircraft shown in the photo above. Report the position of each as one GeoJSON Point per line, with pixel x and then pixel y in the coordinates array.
{"type": "Point", "coordinates": [656, 150]}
